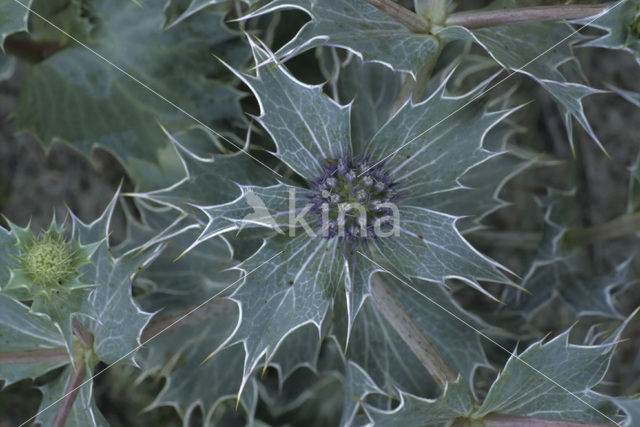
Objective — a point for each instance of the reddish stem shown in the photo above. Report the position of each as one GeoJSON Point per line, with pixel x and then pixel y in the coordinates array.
{"type": "Point", "coordinates": [490, 18]}
{"type": "Point", "coordinates": [70, 394]}
{"type": "Point", "coordinates": [58, 354]}
{"type": "Point", "coordinates": [401, 14]}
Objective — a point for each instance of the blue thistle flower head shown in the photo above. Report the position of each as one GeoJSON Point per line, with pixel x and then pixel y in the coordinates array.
{"type": "Point", "coordinates": [350, 199]}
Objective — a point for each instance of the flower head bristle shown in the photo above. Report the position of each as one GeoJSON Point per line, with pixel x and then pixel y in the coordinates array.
{"type": "Point", "coordinates": [350, 198]}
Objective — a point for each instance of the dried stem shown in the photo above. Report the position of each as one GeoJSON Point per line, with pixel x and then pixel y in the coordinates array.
{"type": "Point", "coordinates": [401, 14]}
{"type": "Point", "coordinates": [526, 14]}
{"type": "Point", "coordinates": [621, 226]}
{"type": "Point", "coordinates": [58, 354]}
{"type": "Point", "coordinates": [411, 333]}
{"type": "Point", "coordinates": [205, 313]}
{"type": "Point", "coordinates": [497, 420]}
{"type": "Point", "coordinates": [70, 393]}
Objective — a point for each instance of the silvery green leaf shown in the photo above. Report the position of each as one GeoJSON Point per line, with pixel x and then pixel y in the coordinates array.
{"type": "Point", "coordinates": [372, 90]}
{"type": "Point", "coordinates": [20, 331]}
{"type": "Point", "coordinates": [71, 17]}
{"type": "Point", "coordinates": [429, 247]}
{"type": "Point", "coordinates": [289, 282]}
{"type": "Point", "coordinates": [13, 18]}
{"type": "Point", "coordinates": [150, 225]}
{"type": "Point", "coordinates": [97, 105]}
{"type": "Point", "coordinates": [621, 22]}
{"type": "Point", "coordinates": [567, 273]}
{"type": "Point", "coordinates": [592, 295]}
{"type": "Point", "coordinates": [555, 380]}
{"type": "Point", "coordinates": [632, 97]}
{"type": "Point", "coordinates": [305, 400]}
{"type": "Point", "coordinates": [178, 355]}
{"type": "Point", "coordinates": [273, 207]}
{"type": "Point", "coordinates": [175, 287]}
{"type": "Point", "coordinates": [452, 330]}
{"type": "Point", "coordinates": [83, 413]}
{"type": "Point", "coordinates": [211, 179]}
{"type": "Point", "coordinates": [480, 193]}
{"type": "Point", "coordinates": [375, 346]}
{"type": "Point", "coordinates": [178, 11]}
{"type": "Point", "coordinates": [456, 401]}
{"type": "Point", "coordinates": [119, 321]}
{"type": "Point", "coordinates": [357, 290]}
{"type": "Point", "coordinates": [416, 147]}
{"type": "Point", "coordinates": [537, 50]}
{"type": "Point", "coordinates": [359, 27]}
{"type": "Point", "coordinates": [8, 253]}
{"type": "Point", "coordinates": [306, 125]}
{"type": "Point", "coordinates": [358, 385]}
{"type": "Point", "coordinates": [571, 277]}
{"type": "Point", "coordinates": [7, 66]}
{"type": "Point", "coordinates": [116, 321]}
{"type": "Point", "coordinates": [176, 281]}
{"type": "Point", "coordinates": [61, 308]}
{"type": "Point", "coordinates": [299, 349]}
{"type": "Point", "coordinates": [631, 407]}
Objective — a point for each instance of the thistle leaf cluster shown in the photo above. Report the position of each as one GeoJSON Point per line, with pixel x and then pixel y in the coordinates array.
{"type": "Point", "coordinates": [319, 218]}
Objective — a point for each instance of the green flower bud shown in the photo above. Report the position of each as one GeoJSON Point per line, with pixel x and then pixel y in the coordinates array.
{"type": "Point", "coordinates": [50, 260]}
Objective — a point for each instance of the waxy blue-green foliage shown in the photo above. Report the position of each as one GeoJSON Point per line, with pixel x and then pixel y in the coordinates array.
{"type": "Point", "coordinates": [285, 323]}
{"type": "Point", "coordinates": [296, 277]}
{"type": "Point", "coordinates": [551, 380]}
{"type": "Point", "coordinates": [559, 270]}
{"type": "Point", "coordinates": [98, 297]}
{"type": "Point", "coordinates": [535, 49]}
{"type": "Point", "coordinates": [97, 79]}
{"type": "Point", "coordinates": [13, 18]}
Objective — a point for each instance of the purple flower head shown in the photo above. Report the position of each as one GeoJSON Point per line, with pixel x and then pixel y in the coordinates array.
{"type": "Point", "coordinates": [347, 197]}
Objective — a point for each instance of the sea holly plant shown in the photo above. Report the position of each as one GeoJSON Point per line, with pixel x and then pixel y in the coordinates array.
{"type": "Point", "coordinates": [359, 211]}
{"type": "Point", "coordinates": [66, 301]}
{"type": "Point", "coordinates": [354, 220]}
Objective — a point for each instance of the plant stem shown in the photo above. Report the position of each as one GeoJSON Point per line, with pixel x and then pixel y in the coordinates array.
{"type": "Point", "coordinates": [490, 18]}
{"type": "Point", "coordinates": [401, 14]}
{"type": "Point", "coordinates": [58, 354]}
{"type": "Point", "coordinates": [411, 333]}
{"type": "Point", "coordinates": [173, 322]}
{"type": "Point", "coordinates": [82, 333]}
{"type": "Point", "coordinates": [621, 226]}
{"type": "Point", "coordinates": [497, 420]}
{"type": "Point", "coordinates": [70, 393]}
